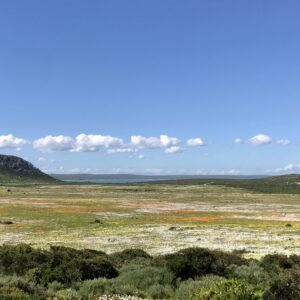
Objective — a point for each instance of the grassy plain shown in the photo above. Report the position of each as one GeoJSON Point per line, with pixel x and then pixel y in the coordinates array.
{"type": "Point", "coordinates": [158, 218]}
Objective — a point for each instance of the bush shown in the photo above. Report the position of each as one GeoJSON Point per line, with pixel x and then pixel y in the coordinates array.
{"type": "Point", "coordinates": [96, 267]}
{"type": "Point", "coordinates": [147, 281]}
{"type": "Point", "coordinates": [193, 262]}
{"type": "Point", "coordinates": [13, 287]}
{"type": "Point", "coordinates": [67, 294]}
{"type": "Point", "coordinates": [252, 273]}
{"type": "Point", "coordinates": [286, 286]}
{"type": "Point", "coordinates": [12, 293]}
{"type": "Point", "coordinates": [274, 263]}
{"type": "Point", "coordinates": [129, 255]}
{"type": "Point", "coordinates": [20, 258]}
{"type": "Point", "coordinates": [230, 289]}
{"type": "Point", "coordinates": [189, 287]}
{"type": "Point", "coordinates": [72, 270]}
{"type": "Point", "coordinates": [92, 288]}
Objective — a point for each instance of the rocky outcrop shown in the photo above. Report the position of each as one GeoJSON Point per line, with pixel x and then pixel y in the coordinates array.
{"type": "Point", "coordinates": [13, 166]}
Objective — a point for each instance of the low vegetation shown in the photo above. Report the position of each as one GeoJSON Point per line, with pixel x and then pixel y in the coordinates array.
{"type": "Point", "coordinates": [286, 184]}
{"type": "Point", "coordinates": [192, 273]}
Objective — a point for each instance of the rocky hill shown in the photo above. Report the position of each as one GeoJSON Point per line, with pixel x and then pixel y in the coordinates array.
{"type": "Point", "coordinates": [16, 169]}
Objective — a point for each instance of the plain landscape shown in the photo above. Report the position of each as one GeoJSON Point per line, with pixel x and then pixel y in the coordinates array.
{"type": "Point", "coordinates": [149, 150]}
{"type": "Point", "coordinates": [249, 224]}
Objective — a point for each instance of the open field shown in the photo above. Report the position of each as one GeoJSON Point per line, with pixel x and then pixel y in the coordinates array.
{"type": "Point", "coordinates": [158, 218]}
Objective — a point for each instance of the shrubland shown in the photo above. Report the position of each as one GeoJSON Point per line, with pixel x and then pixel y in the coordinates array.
{"type": "Point", "coordinates": [192, 273]}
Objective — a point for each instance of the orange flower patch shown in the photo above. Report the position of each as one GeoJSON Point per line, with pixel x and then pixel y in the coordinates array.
{"type": "Point", "coordinates": [80, 209]}
{"type": "Point", "coordinates": [186, 211]}
{"type": "Point", "coordinates": [200, 219]}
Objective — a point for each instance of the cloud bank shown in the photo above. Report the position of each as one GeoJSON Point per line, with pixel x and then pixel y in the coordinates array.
{"type": "Point", "coordinates": [9, 142]}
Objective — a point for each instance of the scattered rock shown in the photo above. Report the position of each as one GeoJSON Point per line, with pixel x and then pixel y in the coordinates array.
{"type": "Point", "coordinates": [6, 222]}
{"type": "Point", "coordinates": [173, 228]}
{"type": "Point", "coordinates": [97, 221]}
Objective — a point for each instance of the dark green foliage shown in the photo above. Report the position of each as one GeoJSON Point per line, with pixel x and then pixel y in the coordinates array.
{"type": "Point", "coordinates": [275, 262]}
{"type": "Point", "coordinates": [67, 273]}
{"type": "Point", "coordinates": [21, 258]}
{"type": "Point", "coordinates": [286, 286]}
{"type": "Point", "coordinates": [129, 255]}
{"type": "Point", "coordinates": [96, 267]}
{"type": "Point", "coordinates": [67, 265]}
{"type": "Point", "coordinates": [193, 262]}
{"type": "Point", "coordinates": [61, 264]}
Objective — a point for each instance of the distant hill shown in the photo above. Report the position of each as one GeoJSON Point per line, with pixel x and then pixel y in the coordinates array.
{"type": "Point", "coordinates": [285, 184]}
{"type": "Point", "coordinates": [14, 169]}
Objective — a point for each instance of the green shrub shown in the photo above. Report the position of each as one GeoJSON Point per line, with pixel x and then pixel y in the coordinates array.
{"type": "Point", "coordinates": [193, 262]}
{"type": "Point", "coordinates": [286, 286]}
{"type": "Point", "coordinates": [20, 258]}
{"type": "Point", "coordinates": [159, 291]}
{"type": "Point", "coordinates": [274, 263]}
{"type": "Point", "coordinates": [252, 273]}
{"type": "Point", "coordinates": [67, 294]}
{"type": "Point", "coordinates": [229, 289]}
{"type": "Point", "coordinates": [92, 288]}
{"type": "Point", "coordinates": [12, 293]}
{"type": "Point", "coordinates": [129, 255]}
{"type": "Point", "coordinates": [188, 287]}
{"type": "Point", "coordinates": [96, 267]}
{"type": "Point", "coordinates": [140, 281]}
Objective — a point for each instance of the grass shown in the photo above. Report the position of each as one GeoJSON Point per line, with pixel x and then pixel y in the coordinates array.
{"type": "Point", "coordinates": [158, 218]}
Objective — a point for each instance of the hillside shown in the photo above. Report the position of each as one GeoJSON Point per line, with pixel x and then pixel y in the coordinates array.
{"type": "Point", "coordinates": [14, 169]}
{"type": "Point", "coordinates": [285, 184]}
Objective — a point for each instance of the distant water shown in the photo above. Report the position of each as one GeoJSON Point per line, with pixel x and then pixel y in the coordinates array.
{"type": "Point", "coordinates": [125, 180]}
{"type": "Point", "coordinates": [113, 180]}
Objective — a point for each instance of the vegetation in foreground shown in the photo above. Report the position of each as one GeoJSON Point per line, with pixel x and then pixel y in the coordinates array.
{"type": "Point", "coordinates": [192, 273]}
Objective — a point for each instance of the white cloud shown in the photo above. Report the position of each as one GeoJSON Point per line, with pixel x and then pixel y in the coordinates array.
{"type": "Point", "coordinates": [141, 156]}
{"type": "Point", "coordinates": [173, 149]}
{"type": "Point", "coordinates": [163, 141]}
{"type": "Point", "coordinates": [194, 142]}
{"type": "Point", "coordinates": [260, 139]}
{"type": "Point", "coordinates": [54, 143]}
{"type": "Point", "coordinates": [9, 141]}
{"type": "Point", "coordinates": [153, 171]}
{"type": "Point", "coordinates": [292, 168]}
{"type": "Point", "coordinates": [238, 141]}
{"type": "Point", "coordinates": [82, 143]}
{"type": "Point", "coordinates": [41, 159]}
{"type": "Point", "coordinates": [288, 169]}
{"type": "Point", "coordinates": [92, 143]}
{"type": "Point", "coordinates": [234, 172]}
{"type": "Point", "coordinates": [284, 142]}
{"type": "Point", "coordinates": [122, 150]}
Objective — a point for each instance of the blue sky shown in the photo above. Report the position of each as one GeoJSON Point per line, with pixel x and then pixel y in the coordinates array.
{"type": "Point", "coordinates": [84, 85]}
